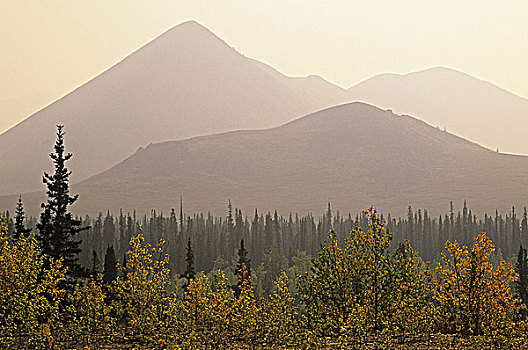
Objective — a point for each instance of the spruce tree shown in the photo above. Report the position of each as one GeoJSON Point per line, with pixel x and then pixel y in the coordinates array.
{"type": "Point", "coordinates": [189, 271]}
{"type": "Point", "coordinates": [97, 235]}
{"type": "Point", "coordinates": [108, 230]}
{"type": "Point", "coordinates": [96, 264]}
{"type": "Point", "coordinates": [243, 269]}
{"type": "Point", "coordinates": [181, 216]}
{"type": "Point", "coordinates": [521, 285]}
{"type": "Point", "coordinates": [328, 224]}
{"type": "Point", "coordinates": [110, 265]}
{"type": "Point", "coordinates": [276, 229]}
{"type": "Point", "coordinates": [123, 239]}
{"type": "Point", "coordinates": [230, 229]}
{"type": "Point", "coordinates": [20, 229]}
{"type": "Point", "coordinates": [524, 227]}
{"type": "Point", "coordinates": [57, 227]}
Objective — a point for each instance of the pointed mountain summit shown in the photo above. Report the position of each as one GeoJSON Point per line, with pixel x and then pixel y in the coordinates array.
{"type": "Point", "coordinates": [185, 83]}
{"type": "Point", "coordinates": [464, 105]}
{"type": "Point", "coordinates": [353, 155]}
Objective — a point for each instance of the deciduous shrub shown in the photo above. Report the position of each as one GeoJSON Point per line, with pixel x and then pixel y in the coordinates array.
{"type": "Point", "coordinates": [361, 288]}
{"type": "Point", "coordinates": [141, 292]}
{"type": "Point", "coordinates": [29, 293]}
{"type": "Point", "coordinates": [473, 297]}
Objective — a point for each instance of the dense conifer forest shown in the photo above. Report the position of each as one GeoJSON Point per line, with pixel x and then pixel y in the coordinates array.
{"type": "Point", "coordinates": [215, 240]}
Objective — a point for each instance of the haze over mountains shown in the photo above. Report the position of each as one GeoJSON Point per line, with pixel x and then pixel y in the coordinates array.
{"type": "Point", "coordinates": [354, 155]}
{"type": "Point", "coordinates": [185, 83]}
{"type": "Point", "coordinates": [188, 83]}
{"type": "Point", "coordinates": [466, 106]}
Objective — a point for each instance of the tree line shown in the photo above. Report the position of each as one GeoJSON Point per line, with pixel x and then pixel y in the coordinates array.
{"type": "Point", "coordinates": [216, 238]}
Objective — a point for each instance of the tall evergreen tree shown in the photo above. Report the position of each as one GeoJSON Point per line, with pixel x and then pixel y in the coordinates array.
{"type": "Point", "coordinates": [189, 270]}
{"type": "Point", "coordinates": [20, 229]}
{"type": "Point", "coordinates": [173, 240]}
{"type": "Point", "coordinates": [524, 227]}
{"type": "Point", "coordinates": [123, 238]}
{"type": "Point", "coordinates": [110, 265]}
{"type": "Point", "coordinates": [96, 264]}
{"type": "Point", "coordinates": [230, 230]}
{"type": "Point", "coordinates": [108, 230]}
{"type": "Point", "coordinates": [173, 223]}
{"type": "Point", "coordinates": [521, 285]}
{"type": "Point", "coordinates": [57, 227]}
{"type": "Point", "coordinates": [97, 235]}
{"type": "Point", "coordinates": [328, 224]}
{"type": "Point", "coordinates": [243, 268]}
{"type": "Point", "coordinates": [181, 216]}
{"type": "Point", "coordinates": [276, 230]}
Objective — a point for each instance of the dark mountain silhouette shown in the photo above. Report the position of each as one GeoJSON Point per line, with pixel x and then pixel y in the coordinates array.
{"type": "Point", "coordinates": [353, 155]}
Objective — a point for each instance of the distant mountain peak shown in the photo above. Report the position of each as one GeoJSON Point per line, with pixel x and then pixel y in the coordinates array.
{"type": "Point", "coordinates": [190, 23]}
{"type": "Point", "coordinates": [439, 69]}
{"type": "Point", "coordinates": [452, 99]}
{"type": "Point", "coordinates": [191, 26]}
{"type": "Point", "coordinates": [442, 71]}
{"type": "Point", "coordinates": [184, 83]}
{"type": "Point", "coordinates": [190, 32]}
{"type": "Point", "coordinates": [427, 72]}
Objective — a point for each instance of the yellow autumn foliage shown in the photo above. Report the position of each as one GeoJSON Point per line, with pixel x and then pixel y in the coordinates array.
{"type": "Point", "coordinates": [473, 297]}
{"type": "Point", "coordinates": [141, 292]}
{"type": "Point", "coordinates": [280, 316]}
{"type": "Point", "coordinates": [89, 310]}
{"type": "Point", "coordinates": [361, 290]}
{"type": "Point", "coordinates": [29, 293]}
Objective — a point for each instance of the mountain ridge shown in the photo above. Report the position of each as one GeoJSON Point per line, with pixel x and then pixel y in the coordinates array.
{"type": "Point", "coordinates": [353, 155]}
{"type": "Point", "coordinates": [444, 69]}
{"type": "Point", "coordinates": [467, 106]}
{"type": "Point", "coordinates": [186, 82]}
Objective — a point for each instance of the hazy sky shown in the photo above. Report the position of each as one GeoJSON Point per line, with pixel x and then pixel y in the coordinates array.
{"type": "Point", "coordinates": [49, 47]}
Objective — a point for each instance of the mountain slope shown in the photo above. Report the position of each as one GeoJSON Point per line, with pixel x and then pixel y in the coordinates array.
{"type": "Point", "coordinates": [354, 155]}
{"type": "Point", "coordinates": [185, 83]}
{"type": "Point", "coordinates": [465, 105]}
{"type": "Point", "coordinates": [313, 87]}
